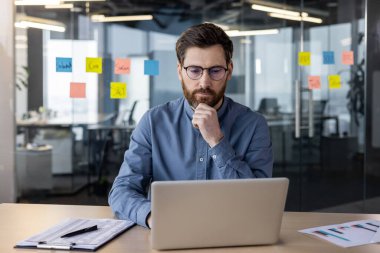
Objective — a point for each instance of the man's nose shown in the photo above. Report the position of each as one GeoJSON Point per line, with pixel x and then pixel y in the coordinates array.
{"type": "Point", "coordinates": [205, 80]}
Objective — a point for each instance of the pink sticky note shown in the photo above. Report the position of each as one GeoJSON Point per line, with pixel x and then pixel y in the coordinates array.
{"type": "Point", "coordinates": [348, 57]}
{"type": "Point", "coordinates": [314, 82]}
{"type": "Point", "coordinates": [78, 90]}
{"type": "Point", "coordinates": [122, 66]}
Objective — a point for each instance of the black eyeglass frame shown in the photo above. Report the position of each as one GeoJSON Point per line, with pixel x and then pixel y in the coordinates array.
{"type": "Point", "coordinates": [208, 71]}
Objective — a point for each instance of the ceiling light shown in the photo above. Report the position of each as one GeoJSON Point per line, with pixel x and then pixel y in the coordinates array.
{"type": "Point", "coordinates": [274, 10]}
{"type": "Point", "coordinates": [59, 6]}
{"type": "Point", "coordinates": [276, 15]}
{"type": "Point", "coordinates": [299, 18]}
{"type": "Point", "coordinates": [37, 2]}
{"type": "Point", "coordinates": [83, 0]}
{"type": "Point", "coordinates": [237, 33]}
{"type": "Point", "coordinates": [39, 23]}
{"type": "Point", "coordinates": [102, 18]}
{"type": "Point", "coordinates": [312, 20]}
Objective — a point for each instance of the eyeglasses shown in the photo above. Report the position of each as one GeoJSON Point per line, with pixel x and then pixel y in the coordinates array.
{"type": "Point", "coordinates": [216, 73]}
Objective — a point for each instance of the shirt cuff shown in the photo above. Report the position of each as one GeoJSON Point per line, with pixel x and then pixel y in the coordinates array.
{"type": "Point", "coordinates": [143, 213]}
{"type": "Point", "coordinates": [222, 152]}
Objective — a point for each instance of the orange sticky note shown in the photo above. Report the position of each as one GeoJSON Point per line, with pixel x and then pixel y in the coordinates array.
{"type": "Point", "coordinates": [348, 57]}
{"type": "Point", "coordinates": [94, 65]}
{"type": "Point", "coordinates": [78, 90]}
{"type": "Point", "coordinates": [118, 90]}
{"type": "Point", "coordinates": [314, 82]}
{"type": "Point", "coordinates": [122, 66]}
{"type": "Point", "coordinates": [304, 58]}
{"type": "Point", "coordinates": [334, 81]}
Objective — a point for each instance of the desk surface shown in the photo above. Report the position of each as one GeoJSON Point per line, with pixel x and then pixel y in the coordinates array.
{"type": "Point", "coordinates": [80, 119]}
{"type": "Point", "coordinates": [19, 221]}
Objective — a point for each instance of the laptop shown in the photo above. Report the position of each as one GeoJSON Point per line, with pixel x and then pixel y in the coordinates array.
{"type": "Point", "coordinates": [217, 213]}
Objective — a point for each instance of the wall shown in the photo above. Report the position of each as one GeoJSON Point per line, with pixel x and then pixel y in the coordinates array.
{"type": "Point", "coordinates": [7, 122]}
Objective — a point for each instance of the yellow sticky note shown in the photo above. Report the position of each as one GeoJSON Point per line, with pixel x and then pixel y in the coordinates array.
{"type": "Point", "coordinates": [304, 58]}
{"type": "Point", "coordinates": [94, 65]}
{"type": "Point", "coordinates": [334, 82]}
{"type": "Point", "coordinates": [314, 82]}
{"type": "Point", "coordinates": [118, 90]}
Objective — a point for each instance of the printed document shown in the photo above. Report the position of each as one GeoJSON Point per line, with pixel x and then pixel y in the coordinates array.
{"type": "Point", "coordinates": [106, 230]}
{"type": "Point", "coordinates": [348, 234]}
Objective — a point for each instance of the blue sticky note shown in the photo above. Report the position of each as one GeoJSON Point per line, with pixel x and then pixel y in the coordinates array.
{"type": "Point", "coordinates": [64, 64]}
{"type": "Point", "coordinates": [328, 57]}
{"type": "Point", "coordinates": [151, 67]}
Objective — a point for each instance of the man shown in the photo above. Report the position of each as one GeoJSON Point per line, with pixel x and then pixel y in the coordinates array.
{"type": "Point", "coordinates": [203, 135]}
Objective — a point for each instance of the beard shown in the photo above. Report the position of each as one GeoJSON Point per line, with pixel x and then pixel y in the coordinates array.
{"type": "Point", "coordinates": [211, 100]}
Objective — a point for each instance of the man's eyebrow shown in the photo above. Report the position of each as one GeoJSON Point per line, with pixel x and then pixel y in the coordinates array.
{"type": "Point", "coordinates": [212, 66]}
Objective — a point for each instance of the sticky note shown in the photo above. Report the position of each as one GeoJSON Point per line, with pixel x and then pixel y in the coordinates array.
{"type": "Point", "coordinates": [151, 67]}
{"type": "Point", "coordinates": [334, 81]}
{"type": "Point", "coordinates": [304, 58]}
{"type": "Point", "coordinates": [122, 66]}
{"type": "Point", "coordinates": [94, 65]}
{"type": "Point", "coordinates": [314, 82]}
{"type": "Point", "coordinates": [328, 57]}
{"type": "Point", "coordinates": [77, 90]}
{"type": "Point", "coordinates": [348, 57]}
{"type": "Point", "coordinates": [63, 64]}
{"type": "Point", "coordinates": [118, 90]}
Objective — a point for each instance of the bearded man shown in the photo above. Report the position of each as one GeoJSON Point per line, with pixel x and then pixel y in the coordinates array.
{"type": "Point", "coordinates": [201, 136]}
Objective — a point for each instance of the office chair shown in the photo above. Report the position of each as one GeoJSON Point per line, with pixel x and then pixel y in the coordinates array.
{"type": "Point", "coordinates": [109, 139]}
{"type": "Point", "coordinates": [268, 106]}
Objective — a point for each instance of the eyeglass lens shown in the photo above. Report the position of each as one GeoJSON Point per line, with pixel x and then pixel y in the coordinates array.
{"type": "Point", "coordinates": [196, 72]}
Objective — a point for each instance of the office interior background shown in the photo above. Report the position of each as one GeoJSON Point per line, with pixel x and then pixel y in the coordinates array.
{"type": "Point", "coordinates": [57, 148]}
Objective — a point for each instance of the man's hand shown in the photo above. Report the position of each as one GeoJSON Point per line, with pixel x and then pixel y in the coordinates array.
{"type": "Point", "coordinates": [150, 220]}
{"type": "Point", "coordinates": [205, 118]}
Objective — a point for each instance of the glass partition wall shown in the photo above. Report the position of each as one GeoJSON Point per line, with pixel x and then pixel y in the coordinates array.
{"type": "Point", "coordinates": [299, 63]}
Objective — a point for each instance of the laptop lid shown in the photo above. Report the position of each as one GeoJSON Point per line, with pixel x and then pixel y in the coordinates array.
{"type": "Point", "coordinates": [217, 213]}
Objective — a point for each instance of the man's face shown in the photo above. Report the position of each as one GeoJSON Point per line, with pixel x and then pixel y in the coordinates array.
{"type": "Point", "coordinates": [205, 89]}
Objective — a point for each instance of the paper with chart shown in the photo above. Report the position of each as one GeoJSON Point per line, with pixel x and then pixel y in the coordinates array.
{"type": "Point", "coordinates": [348, 234]}
{"type": "Point", "coordinates": [107, 230]}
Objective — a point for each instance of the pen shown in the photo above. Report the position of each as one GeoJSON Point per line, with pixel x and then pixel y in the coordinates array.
{"type": "Point", "coordinates": [80, 231]}
{"type": "Point", "coordinates": [327, 234]}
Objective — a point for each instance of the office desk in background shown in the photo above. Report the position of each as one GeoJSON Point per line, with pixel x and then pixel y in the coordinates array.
{"type": "Point", "coordinates": [61, 123]}
{"type": "Point", "coordinates": [63, 146]}
{"type": "Point", "coordinates": [20, 221]}
{"type": "Point", "coordinates": [67, 158]}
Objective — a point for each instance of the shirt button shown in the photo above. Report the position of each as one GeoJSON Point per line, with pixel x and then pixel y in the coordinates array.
{"type": "Point", "coordinates": [213, 156]}
{"type": "Point", "coordinates": [201, 159]}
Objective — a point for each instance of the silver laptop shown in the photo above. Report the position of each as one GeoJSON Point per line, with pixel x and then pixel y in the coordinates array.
{"type": "Point", "coordinates": [217, 213]}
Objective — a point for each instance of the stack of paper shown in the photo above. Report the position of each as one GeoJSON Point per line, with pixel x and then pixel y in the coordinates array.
{"type": "Point", "coordinates": [348, 234]}
{"type": "Point", "coordinates": [57, 237]}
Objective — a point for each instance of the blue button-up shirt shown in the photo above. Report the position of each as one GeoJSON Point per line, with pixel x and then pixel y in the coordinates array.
{"type": "Point", "coordinates": [166, 146]}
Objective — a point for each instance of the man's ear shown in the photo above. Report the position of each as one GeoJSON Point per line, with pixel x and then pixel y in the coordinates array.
{"type": "Point", "coordinates": [179, 71]}
{"type": "Point", "coordinates": [230, 68]}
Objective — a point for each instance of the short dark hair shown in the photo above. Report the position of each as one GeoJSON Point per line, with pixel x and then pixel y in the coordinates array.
{"type": "Point", "coordinates": [203, 35]}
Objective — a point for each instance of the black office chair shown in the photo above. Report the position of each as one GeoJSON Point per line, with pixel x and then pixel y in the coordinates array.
{"type": "Point", "coordinates": [109, 139]}
{"type": "Point", "coordinates": [269, 106]}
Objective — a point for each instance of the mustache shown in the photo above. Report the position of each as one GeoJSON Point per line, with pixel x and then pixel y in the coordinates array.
{"type": "Point", "coordinates": [204, 91]}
